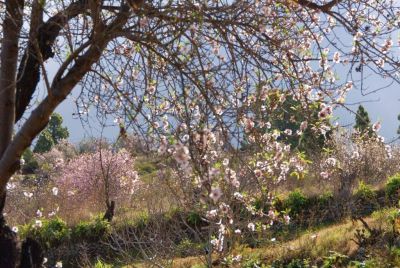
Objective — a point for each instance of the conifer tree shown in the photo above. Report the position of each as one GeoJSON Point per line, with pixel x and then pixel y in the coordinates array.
{"type": "Point", "coordinates": [52, 134]}
{"type": "Point", "coordinates": [363, 123]}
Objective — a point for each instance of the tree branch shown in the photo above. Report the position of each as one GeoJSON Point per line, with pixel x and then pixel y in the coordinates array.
{"type": "Point", "coordinates": [45, 36]}
{"type": "Point", "coordinates": [324, 8]}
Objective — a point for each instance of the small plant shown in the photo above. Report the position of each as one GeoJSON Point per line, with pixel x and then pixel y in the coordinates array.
{"type": "Point", "coordinates": [101, 264]}
{"type": "Point", "coordinates": [298, 263]}
{"type": "Point", "coordinates": [193, 218]}
{"type": "Point", "coordinates": [364, 264]}
{"type": "Point", "coordinates": [393, 186]}
{"type": "Point", "coordinates": [142, 219]}
{"type": "Point", "coordinates": [335, 259]}
{"type": "Point", "coordinates": [145, 168]}
{"type": "Point", "coordinates": [253, 261]}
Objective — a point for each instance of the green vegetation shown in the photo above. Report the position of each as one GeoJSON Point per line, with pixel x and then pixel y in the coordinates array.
{"type": "Point", "coordinates": [48, 232]}
{"type": "Point", "coordinates": [393, 186]}
{"type": "Point", "coordinates": [296, 202]}
{"type": "Point", "coordinates": [30, 162]}
{"type": "Point", "coordinates": [52, 134]}
{"type": "Point", "coordinates": [363, 123]}
{"type": "Point", "coordinates": [94, 230]}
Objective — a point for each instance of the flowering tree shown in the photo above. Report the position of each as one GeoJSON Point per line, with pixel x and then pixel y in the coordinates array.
{"type": "Point", "coordinates": [103, 175]}
{"type": "Point", "coordinates": [182, 72]}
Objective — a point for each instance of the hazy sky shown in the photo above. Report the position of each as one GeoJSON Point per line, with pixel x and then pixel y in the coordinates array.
{"type": "Point", "coordinates": [382, 106]}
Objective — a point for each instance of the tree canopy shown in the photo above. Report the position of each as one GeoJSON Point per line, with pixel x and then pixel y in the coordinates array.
{"type": "Point", "coordinates": [183, 75]}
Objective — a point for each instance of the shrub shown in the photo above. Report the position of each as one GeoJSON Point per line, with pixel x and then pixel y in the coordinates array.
{"type": "Point", "coordinates": [365, 199]}
{"type": "Point", "coordinates": [296, 202]}
{"type": "Point", "coordinates": [298, 263]}
{"type": "Point", "coordinates": [364, 192]}
{"type": "Point", "coordinates": [31, 163]}
{"type": "Point", "coordinates": [91, 230]}
{"type": "Point", "coordinates": [253, 261]}
{"type": "Point", "coordinates": [50, 234]}
{"type": "Point", "coordinates": [335, 259]}
{"type": "Point", "coordinates": [145, 168]}
{"type": "Point", "coordinates": [325, 198]}
{"type": "Point", "coordinates": [142, 219]}
{"type": "Point", "coordinates": [393, 186]}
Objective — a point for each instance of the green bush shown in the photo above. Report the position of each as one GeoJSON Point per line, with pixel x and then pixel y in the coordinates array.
{"type": "Point", "coordinates": [50, 234]}
{"type": "Point", "coordinates": [365, 199]}
{"type": "Point", "coordinates": [364, 192]}
{"type": "Point", "coordinates": [91, 231]}
{"type": "Point", "coordinates": [325, 198]}
{"type": "Point", "coordinates": [393, 186]}
{"type": "Point", "coordinates": [296, 202]}
{"type": "Point", "coordinates": [365, 264]}
{"type": "Point", "coordinates": [262, 203]}
{"type": "Point", "coordinates": [253, 261]}
{"type": "Point", "coordinates": [335, 259]}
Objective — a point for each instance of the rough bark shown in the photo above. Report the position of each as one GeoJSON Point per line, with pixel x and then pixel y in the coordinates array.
{"type": "Point", "coordinates": [109, 214]}
{"type": "Point", "coordinates": [9, 57]}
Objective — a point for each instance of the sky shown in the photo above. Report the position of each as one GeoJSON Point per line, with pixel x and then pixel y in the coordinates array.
{"type": "Point", "coordinates": [79, 130]}
{"type": "Point", "coordinates": [381, 106]}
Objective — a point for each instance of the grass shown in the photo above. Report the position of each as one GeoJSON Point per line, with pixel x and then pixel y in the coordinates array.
{"type": "Point", "coordinates": [311, 244]}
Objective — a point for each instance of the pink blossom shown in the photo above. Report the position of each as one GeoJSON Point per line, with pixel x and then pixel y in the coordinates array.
{"type": "Point", "coordinates": [324, 174]}
{"type": "Point", "coordinates": [376, 127]}
{"type": "Point", "coordinates": [251, 226]}
{"type": "Point", "coordinates": [325, 112]}
{"type": "Point", "coordinates": [84, 177]}
{"type": "Point", "coordinates": [215, 194]}
{"type": "Point", "coordinates": [336, 57]}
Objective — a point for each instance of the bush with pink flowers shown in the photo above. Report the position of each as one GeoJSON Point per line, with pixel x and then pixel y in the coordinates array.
{"type": "Point", "coordinates": [91, 178]}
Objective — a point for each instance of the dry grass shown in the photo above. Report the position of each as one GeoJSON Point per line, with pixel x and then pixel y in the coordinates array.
{"type": "Point", "coordinates": [312, 245]}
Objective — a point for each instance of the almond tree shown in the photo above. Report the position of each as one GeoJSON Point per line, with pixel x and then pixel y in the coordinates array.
{"type": "Point", "coordinates": [199, 62]}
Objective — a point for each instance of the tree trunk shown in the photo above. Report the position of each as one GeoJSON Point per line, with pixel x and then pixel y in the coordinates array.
{"type": "Point", "coordinates": [11, 148]}
{"type": "Point", "coordinates": [9, 58]}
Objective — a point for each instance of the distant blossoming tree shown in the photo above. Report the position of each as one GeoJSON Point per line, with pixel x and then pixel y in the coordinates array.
{"type": "Point", "coordinates": [103, 175]}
